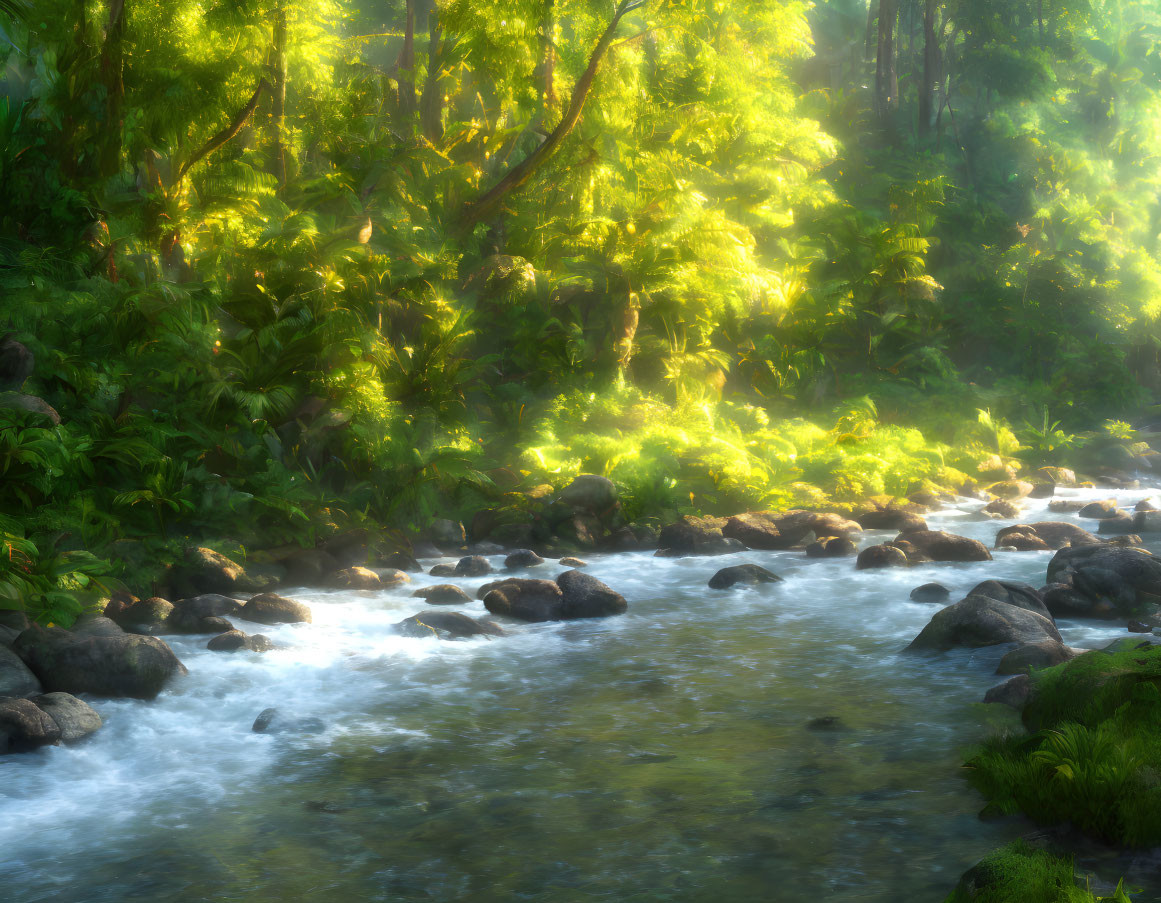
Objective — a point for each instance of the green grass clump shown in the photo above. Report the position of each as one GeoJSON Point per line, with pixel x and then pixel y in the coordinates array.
{"type": "Point", "coordinates": [1095, 758]}
{"type": "Point", "coordinates": [1021, 874]}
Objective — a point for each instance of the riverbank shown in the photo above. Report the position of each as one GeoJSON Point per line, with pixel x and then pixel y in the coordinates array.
{"type": "Point", "coordinates": [704, 738]}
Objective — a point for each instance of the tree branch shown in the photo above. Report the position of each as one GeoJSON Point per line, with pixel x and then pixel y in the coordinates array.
{"type": "Point", "coordinates": [520, 174]}
{"type": "Point", "coordinates": [227, 133]}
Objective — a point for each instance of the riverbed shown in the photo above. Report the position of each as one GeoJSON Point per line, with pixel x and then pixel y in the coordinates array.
{"type": "Point", "coordinates": [767, 743]}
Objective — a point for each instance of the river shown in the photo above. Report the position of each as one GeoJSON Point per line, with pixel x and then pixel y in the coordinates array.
{"type": "Point", "coordinates": [753, 744]}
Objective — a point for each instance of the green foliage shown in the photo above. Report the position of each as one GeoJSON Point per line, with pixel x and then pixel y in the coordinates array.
{"type": "Point", "coordinates": [1020, 872]}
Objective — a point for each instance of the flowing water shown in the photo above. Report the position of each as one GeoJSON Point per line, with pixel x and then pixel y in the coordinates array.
{"type": "Point", "coordinates": [674, 753]}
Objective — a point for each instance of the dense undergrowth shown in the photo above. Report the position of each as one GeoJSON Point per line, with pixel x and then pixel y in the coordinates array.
{"type": "Point", "coordinates": [1023, 873]}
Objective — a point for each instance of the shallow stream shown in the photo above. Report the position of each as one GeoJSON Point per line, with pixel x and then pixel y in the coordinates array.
{"type": "Point", "coordinates": [674, 753]}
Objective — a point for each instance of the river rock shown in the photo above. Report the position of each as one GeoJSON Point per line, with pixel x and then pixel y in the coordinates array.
{"type": "Point", "coordinates": [522, 558]}
{"type": "Point", "coordinates": [275, 721]}
{"type": "Point", "coordinates": [981, 621]}
{"type": "Point", "coordinates": [1054, 534]}
{"type": "Point", "coordinates": [1017, 541]}
{"type": "Point", "coordinates": [15, 678]}
{"type": "Point", "coordinates": [573, 563]}
{"type": "Point", "coordinates": [403, 561]}
{"type": "Point", "coordinates": [1010, 489]}
{"type": "Point", "coordinates": [202, 614]}
{"type": "Point", "coordinates": [75, 718]}
{"type": "Point", "coordinates": [1044, 654]}
{"type": "Point", "coordinates": [237, 641]}
{"type": "Point", "coordinates": [473, 566]}
{"type": "Point", "coordinates": [941, 546]}
{"type": "Point", "coordinates": [309, 567]}
{"type": "Point", "coordinates": [1147, 522]}
{"type": "Point", "coordinates": [881, 556]}
{"type": "Point", "coordinates": [126, 665]}
{"type": "Point", "coordinates": [356, 578]}
{"type": "Point", "coordinates": [271, 608]}
{"type": "Point", "coordinates": [16, 364]}
{"type": "Point", "coordinates": [147, 616]}
{"type": "Point", "coordinates": [589, 492]}
{"type": "Point", "coordinates": [1115, 580]}
{"type": "Point", "coordinates": [447, 534]}
{"type": "Point", "coordinates": [1145, 505]}
{"type": "Point", "coordinates": [930, 593]}
{"type": "Point", "coordinates": [442, 594]}
{"type": "Point", "coordinates": [443, 570]}
{"type": "Point", "coordinates": [12, 624]}
{"type": "Point", "coordinates": [25, 726]}
{"type": "Point", "coordinates": [832, 547]}
{"type": "Point", "coordinates": [742, 574]}
{"type": "Point", "coordinates": [700, 536]}
{"type": "Point", "coordinates": [208, 571]}
{"type": "Point", "coordinates": [446, 625]}
{"type": "Point", "coordinates": [1118, 524]}
{"type": "Point", "coordinates": [584, 596]}
{"type": "Point", "coordinates": [1014, 692]}
{"type": "Point", "coordinates": [92, 625]}
{"type": "Point", "coordinates": [1019, 594]}
{"type": "Point", "coordinates": [892, 519]}
{"type": "Point", "coordinates": [1001, 508]}
{"type": "Point", "coordinates": [1066, 506]}
{"type": "Point", "coordinates": [1061, 476]}
{"type": "Point", "coordinates": [31, 404]}
{"type": "Point", "coordinates": [526, 600]}
{"type": "Point", "coordinates": [1100, 510]}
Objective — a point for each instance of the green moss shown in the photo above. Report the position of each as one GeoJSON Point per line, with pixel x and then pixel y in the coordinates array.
{"type": "Point", "coordinates": [1021, 874]}
{"type": "Point", "coordinates": [1095, 759]}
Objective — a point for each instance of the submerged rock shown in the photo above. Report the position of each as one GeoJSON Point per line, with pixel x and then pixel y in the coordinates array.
{"type": "Point", "coordinates": [930, 592]}
{"type": "Point", "coordinates": [742, 574]}
{"type": "Point", "coordinates": [274, 721]}
{"type": "Point", "coordinates": [1014, 692]}
{"type": "Point", "coordinates": [237, 641]}
{"type": "Point", "coordinates": [881, 556]}
{"type": "Point", "coordinates": [833, 547]}
{"type": "Point", "coordinates": [1101, 510]}
{"type": "Point", "coordinates": [446, 625]}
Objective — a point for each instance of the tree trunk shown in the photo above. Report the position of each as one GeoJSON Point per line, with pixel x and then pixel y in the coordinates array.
{"type": "Point", "coordinates": [931, 74]}
{"type": "Point", "coordinates": [278, 97]}
{"type": "Point", "coordinates": [113, 75]}
{"type": "Point", "coordinates": [405, 66]}
{"type": "Point", "coordinates": [872, 6]}
{"type": "Point", "coordinates": [886, 76]}
{"type": "Point", "coordinates": [548, 57]}
{"type": "Point", "coordinates": [431, 101]}
{"type": "Point", "coordinates": [519, 175]}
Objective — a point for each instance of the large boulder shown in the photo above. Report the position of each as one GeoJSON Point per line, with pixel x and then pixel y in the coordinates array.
{"type": "Point", "coordinates": [589, 492]}
{"type": "Point", "coordinates": [769, 531]}
{"type": "Point", "coordinates": [125, 665]}
{"type": "Point", "coordinates": [1052, 534]}
{"type": "Point", "coordinates": [744, 575]}
{"type": "Point", "coordinates": [355, 578]}
{"type": "Point", "coordinates": [1117, 525]}
{"type": "Point", "coordinates": [146, 616]}
{"type": "Point", "coordinates": [271, 608]}
{"type": "Point", "coordinates": [15, 678]}
{"type": "Point", "coordinates": [25, 726]}
{"type": "Point", "coordinates": [446, 625]}
{"type": "Point", "coordinates": [1001, 508]}
{"type": "Point", "coordinates": [891, 518]}
{"type": "Point", "coordinates": [447, 534]}
{"type": "Point", "coordinates": [982, 621]}
{"type": "Point", "coordinates": [701, 536]}
{"type": "Point", "coordinates": [1114, 581]}
{"type": "Point", "coordinates": [941, 546]}
{"type": "Point", "coordinates": [75, 718]}
{"type": "Point", "coordinates": [584, 596]}
{"type": "Point", "coordinates": [207, 571]}
{"type": "Point", "coordinates": [1014, 693]}
{"type": "Point", "coordinates": [832, 547]}
{"type": "Point", "coordinates": [935, 593]}
{"type": "Point", "coordinates": [526, 600]}
{"type": "Point", "coordinates": [1100, 510]}
{"type": "Point", "coordinates": [443, 594]}
{"type": "Point", "coordinates": [402, 561]}
{"type": "Point", "coordinates": [1066, 506]}
{"type": "Point", "coordinates": [1010, 489]}
{"type": "Point", "coordinates": [1019, 594]}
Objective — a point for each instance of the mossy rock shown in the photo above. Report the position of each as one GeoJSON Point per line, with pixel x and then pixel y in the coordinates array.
{"type": "Point", "coordinates": [1020, 873]}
